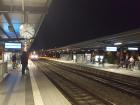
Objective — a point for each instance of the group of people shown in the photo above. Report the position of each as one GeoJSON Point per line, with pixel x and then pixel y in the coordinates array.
{"type": "Point", "coordinates": [23, 60]}
{"type": "Point", "coordinates": [127, 61]}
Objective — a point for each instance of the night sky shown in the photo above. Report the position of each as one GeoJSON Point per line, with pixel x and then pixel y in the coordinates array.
{"type": "Point", "coordinates": [73, 21]}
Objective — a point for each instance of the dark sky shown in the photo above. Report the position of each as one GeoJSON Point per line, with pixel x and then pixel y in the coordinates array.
{"type": "Point", "coordinates": [72, 21]}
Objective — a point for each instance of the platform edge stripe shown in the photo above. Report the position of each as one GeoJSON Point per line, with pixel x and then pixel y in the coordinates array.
{"type": "Point", "coordinates": [36, 93]}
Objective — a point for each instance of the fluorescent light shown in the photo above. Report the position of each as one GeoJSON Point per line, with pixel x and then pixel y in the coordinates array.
{"type": "Point", "coordinates": [117, 43]}
{"type": "Point", "coordinates": [133, 48]}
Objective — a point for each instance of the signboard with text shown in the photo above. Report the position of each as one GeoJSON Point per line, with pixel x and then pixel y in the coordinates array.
{"type": "Point", "coordinates": [12, 47]}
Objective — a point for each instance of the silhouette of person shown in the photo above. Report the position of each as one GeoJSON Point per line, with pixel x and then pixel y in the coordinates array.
{"type": "Point", "coordinates": [14, 61]}
{"type": "Point", "coordinates": [24, 61]}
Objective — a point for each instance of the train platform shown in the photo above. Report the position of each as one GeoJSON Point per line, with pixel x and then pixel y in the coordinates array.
{"type": "Point", "coordinates": [107, 71]}
{"type": "Point", "coordinates": [106, 67]}
{"type": "Point", "coordinates": [115, 69]}
{"type": "Point", "coordinates": [33, 88]}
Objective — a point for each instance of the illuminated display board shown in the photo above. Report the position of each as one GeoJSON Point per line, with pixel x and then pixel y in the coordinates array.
{"type": "Point", "coordinates": [133, 48]}
{"type": "Point", "coordinates": [12, 45]}
{"type": "Point", "coordinates": [111, 48]}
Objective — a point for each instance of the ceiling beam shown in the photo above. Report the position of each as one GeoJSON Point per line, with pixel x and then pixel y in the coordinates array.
{"type": "Point", "coordinates": [4, 32]}
{"type": "Point", "coordinates": [11, 39]}
{"type": "Point", "coordinates": [18, 9]}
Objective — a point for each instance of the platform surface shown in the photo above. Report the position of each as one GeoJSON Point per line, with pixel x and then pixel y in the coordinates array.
{"type": "Point", "coordinates": [34, 88]}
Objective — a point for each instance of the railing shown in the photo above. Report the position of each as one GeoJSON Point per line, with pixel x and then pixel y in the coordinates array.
{"type": "Point", "coordinates": [3, 70]}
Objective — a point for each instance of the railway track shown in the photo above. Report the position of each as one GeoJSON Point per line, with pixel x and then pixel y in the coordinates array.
{"type": "Point", "coordinates": [124, 87]}
{"type": "Point", "coordinates": [75, 93]}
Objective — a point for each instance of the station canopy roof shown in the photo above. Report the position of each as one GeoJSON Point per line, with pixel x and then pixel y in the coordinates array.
{"type": "Point", "coordinates": [14, 13]}
{"type": "Point", "coordinates": [129, 38]}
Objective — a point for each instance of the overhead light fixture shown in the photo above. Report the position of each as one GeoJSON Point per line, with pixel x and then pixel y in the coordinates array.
{"type": "Point", "coordinates": [117, 43]}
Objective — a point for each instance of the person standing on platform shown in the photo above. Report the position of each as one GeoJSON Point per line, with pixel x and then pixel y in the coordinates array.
{"type": "Point", "coordinates": [14, 61]}
{"type": "Point", "coordinates": [126, 61]}
{"type": "Point", "coordinates": [121, 61]}
{"type": "Point", "coordinates": [131, 63]}
{"type": "Point", "coordinates": [24, 61]}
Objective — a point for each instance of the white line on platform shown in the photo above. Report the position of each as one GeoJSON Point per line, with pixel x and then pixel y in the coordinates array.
{"type": "Point", "coordinates": [36, 93]}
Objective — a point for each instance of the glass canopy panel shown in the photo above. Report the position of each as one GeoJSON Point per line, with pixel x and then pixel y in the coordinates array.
{"type": "Point", "coordinates": [35, 3]}
{"type": "Point", "coordinates": [11, 2]}
{"type": "Point", "coordinates": [16, 18]}
{"type": "Point", "coordinates": [34, 18]}
{"type": "Point", "coordinates": [2, 19]}
{"type": "Point", "coordinates": [7, 30]}
{"type": "Point", "coordinates": [16, 27]}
